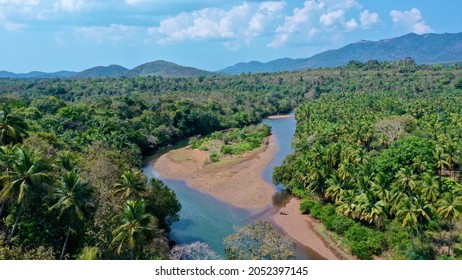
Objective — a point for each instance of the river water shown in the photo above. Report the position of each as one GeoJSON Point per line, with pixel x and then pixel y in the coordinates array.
{"type": "Point", "coordinates": [204, 218]}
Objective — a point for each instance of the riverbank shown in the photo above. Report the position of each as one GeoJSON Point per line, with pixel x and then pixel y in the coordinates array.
{"type": "Point", "coordinates": [302, 228]}
{"type": "Point", "coordinates": [278, 117]}
{"type": "Point", "coordinates": [236, 180]}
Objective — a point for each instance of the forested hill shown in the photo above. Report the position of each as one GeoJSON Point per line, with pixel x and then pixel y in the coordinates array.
{"type": "Point", "coordinates": [166, 69]}
{"type": "Point", "coordinates": [155, 68]}
{"type": "Point", "coordinates": [424, 49]}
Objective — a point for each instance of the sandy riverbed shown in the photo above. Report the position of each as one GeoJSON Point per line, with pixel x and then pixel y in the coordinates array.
{"type": "Point", "coordinates": [236, 180]}
{"type": "Point", "coordinates": [301, 228]}
{"type": "Point", "coordinates": [277, 117]}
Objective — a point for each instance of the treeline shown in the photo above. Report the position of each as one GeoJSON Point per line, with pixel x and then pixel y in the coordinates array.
{"type": "Point", "coordinates": [382, 170]}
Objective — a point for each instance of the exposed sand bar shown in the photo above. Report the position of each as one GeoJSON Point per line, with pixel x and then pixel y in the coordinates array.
{"type": "Point", "coordinates": [277, 117]}
{"type": "Point", "coordinates": [301, 228]}
{"type": "Point", "coordinates": [236, 180]}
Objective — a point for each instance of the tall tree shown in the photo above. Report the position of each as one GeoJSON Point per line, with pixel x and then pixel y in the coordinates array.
{"type": "Point", "coordinates": [13, 129]}
{"type": "Point", "coordinates": [26, 176]}
{"type": "Point", "coordinates": [73, 200]}
{"type": "Point", "coordinates": [134, 230]}
{"type": "Point", "coordinates": [449, 208]}
{"type": "Point", "coordinates": [131, 185]}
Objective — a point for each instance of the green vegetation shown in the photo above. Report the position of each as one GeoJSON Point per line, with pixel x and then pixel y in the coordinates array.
{"type": "Point", "coordinates": [233, 141]}
{"type": "Point", "coordinates": [379, 142]}
{"type": "Point", "coordinates": [368, 162]}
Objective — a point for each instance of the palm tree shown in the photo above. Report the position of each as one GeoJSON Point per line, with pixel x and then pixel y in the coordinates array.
{"type": "Point", "coordinates": [335, 188]}
{"type": "Point", "coordinates": [23, 178]}
{"type": "Point", "coordinates": [134, 230]}
{"type": "Point", "coordinates": [348, 204]}
{"type": "Point", "coordinates": [406, 181]}
{"type": "Point", "coordinates": [371, 209]}
{"type": "Point", "coordinates": [407, 213]}
{"type": "Point", "coordinates": [430, 188]}
{"type": "Point", "coordinates": [13, 129]}
{"type": "Point", "coordinates": [449, 208]}
{"type": "Point", "coordinates": [73, 199]}
{"type": "Point", "coordinates": [441, 160]}
{"type": "Point", "coordinates": [131, 185]}
{"type": "Point", "coordinates": [7, 160]}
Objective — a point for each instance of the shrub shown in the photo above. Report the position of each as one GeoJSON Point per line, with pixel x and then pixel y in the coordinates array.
{"type": "Point", "coordinates": [316, 210]}
{"type": "Point", "coordinates": [305, 206]}
{"type": "Point", "coordinates": [214, 157]}
{"type": "Point", "coordinates": [339, 224]}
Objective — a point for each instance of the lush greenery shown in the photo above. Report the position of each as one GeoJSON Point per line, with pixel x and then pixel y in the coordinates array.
{"type": "Point", "coordinates": [71, 152]}
{"type": "Point", "coordinates": [368, 162]}
{"type": "Point", "coordinates": [233, 141]}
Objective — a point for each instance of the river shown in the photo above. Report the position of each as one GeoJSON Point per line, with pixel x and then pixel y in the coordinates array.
{"type": "Point", "coordinates": [204, 218]}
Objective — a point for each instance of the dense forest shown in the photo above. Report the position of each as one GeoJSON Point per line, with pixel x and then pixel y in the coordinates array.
{"type": "Point", "coordinates": [71, 153]}
{"type": "Point", "coordinates": [381, 169]}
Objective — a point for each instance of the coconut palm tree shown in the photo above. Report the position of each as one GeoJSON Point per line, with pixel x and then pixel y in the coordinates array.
{"type": "Point", "coordinates": [131, 185]}
{"type": "Point", "coordinates": [134, 230]}
{"type": "Point", "coordinates": [335, 188]}
{"type": "Point", "coordinates": [371, 209]}
{"type": "Point", "coordinates": [348, 204]}
{"type": "Point", "coordinates": [449, 208]}
{"type": "Point", "coordinates": [430, 188]}
{"type": "Point", "coordinates": [407, 214]}
{"type": "Point", "coordinates": [73, 200]}
{"type": "Point", "coordinates": [13, 129]}
{"type": "Point", "coordinates": [406, 181]}
{"type": "Point", "coordinates": [27, 175]}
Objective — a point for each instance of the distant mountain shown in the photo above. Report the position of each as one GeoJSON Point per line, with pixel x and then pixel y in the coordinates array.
{"type": "Point", "coordinates": [156, 68]}
{"type": "Point", "coordinates": [166, 69]}
{"type": "Point", "coordinates": [424, 49]}
{"type": "Point", "coordinates": [102, 71]}
{"type": "Point", "coordinates": [37, 75]}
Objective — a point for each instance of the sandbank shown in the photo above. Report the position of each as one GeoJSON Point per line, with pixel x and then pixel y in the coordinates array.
{"type": "Point", "coordinates": [236, 180]}
{"type": "Point", "coordinates": [277, 117]}
{"type": "Point", "coordinates": [302, 228]}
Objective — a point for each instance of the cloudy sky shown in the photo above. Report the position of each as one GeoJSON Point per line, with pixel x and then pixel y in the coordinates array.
{"type": "Point", "coordinates": [52, 35]}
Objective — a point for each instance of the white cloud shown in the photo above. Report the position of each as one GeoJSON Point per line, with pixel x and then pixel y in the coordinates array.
{"type": "Point", "coordinates": [292, 23]}
{"type": "Point", "coordinates": [351, 24]}
{"type": "Point", "coordinates": [317, 17]}
{"type": "Point", "coordinates": [113, 32]}
{"type": "Point", "coordinates": [133, 2]}
{"type": "Point", "coordinates": [70, 5]}
{"type": "Point", "coordinates": [332, 18]}
{"type": "Point", "coordinates": [239, 24]}
{"type": "Point", "coordinates": [411, 20]}
{"type": "Point", "coordinates": [368, 19]}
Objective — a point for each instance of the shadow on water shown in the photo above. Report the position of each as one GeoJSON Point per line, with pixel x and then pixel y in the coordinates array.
{"type": "Point", "coordinates": [204, 218]}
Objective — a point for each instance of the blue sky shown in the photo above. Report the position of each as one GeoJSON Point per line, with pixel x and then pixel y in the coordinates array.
{"type": "Point", "coordinates": [52, 35]}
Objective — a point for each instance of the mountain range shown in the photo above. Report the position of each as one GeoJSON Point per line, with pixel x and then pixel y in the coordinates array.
{"type": "Point", "coordinates": [424, 49]}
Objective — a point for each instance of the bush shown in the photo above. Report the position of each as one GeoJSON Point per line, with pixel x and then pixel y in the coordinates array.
{"type": "Point", "coordinates": [360, 250]}
{"type": "Point", "coordinates": [327, 211]}
{"type": "Point", "coordinates": [364, 242]}
{"type": "Point", "coordinates": [305, 206]}
{"type": "Point", "coordinates": [226, 150]}
{"type": "Point", "coordinates": [339, 224]}
{"type": "Point", "coordinates": [214, 157]}
{"type": "Point", "coordinates": [316, 210]}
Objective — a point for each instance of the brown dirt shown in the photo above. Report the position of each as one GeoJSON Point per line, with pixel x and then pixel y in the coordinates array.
{"type": "Point", "coordinates": [236, 180]}
{"type": "Point", "coordinates": [301, 228]}
{"type": "Point", "coordinates": [276, 117]}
